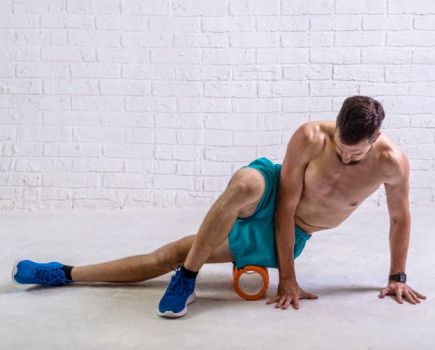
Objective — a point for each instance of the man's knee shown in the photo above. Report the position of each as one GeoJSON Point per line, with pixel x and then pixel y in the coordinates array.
{"type": "Point", "coordinates": [169, 256]}
{"type": "Point", "coordinates": [246, 186]}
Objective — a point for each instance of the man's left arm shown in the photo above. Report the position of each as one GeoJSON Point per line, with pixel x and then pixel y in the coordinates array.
{"type": "Point", "coordinates": [397, 191]}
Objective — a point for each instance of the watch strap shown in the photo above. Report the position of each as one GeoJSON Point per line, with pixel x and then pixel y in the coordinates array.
{"type": "Point", "coordinates": [398, 277]}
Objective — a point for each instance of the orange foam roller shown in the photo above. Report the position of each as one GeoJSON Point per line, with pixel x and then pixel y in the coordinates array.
{"type": "Point", "coordinates": [251, 282]}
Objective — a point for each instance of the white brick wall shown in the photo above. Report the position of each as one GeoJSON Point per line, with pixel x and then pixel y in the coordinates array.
{"type": "Point", "coordinates": [136, 103]}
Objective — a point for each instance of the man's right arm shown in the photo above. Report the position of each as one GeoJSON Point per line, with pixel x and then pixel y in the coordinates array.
{"type": "Point", "coordinates": [301, 148]}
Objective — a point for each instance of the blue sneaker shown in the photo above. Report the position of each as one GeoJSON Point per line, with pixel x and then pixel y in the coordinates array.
{"type": "Point", "coordinates": [178, 295]}
{"type": "Point", "coordinates": [46, 274]}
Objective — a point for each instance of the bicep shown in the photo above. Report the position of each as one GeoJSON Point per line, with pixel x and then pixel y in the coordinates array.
{"type": "Point", "coordinates": [293, 167]}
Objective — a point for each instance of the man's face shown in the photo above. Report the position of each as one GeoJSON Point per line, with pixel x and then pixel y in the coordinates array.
{"type": "Point", "coordinates": [352, 154]}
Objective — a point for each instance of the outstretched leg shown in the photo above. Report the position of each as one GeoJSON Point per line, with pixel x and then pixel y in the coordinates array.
{"type": "Point", "coordinates": [143, 267]}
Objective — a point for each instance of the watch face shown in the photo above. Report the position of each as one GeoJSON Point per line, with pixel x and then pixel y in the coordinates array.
{"type": "Point", "coordinates": [402, 278]}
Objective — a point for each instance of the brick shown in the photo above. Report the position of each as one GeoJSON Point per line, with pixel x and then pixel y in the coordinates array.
{"type": "Point", "coordinates": [95, 103]}
{"type": "Point", "coordinates": [384, 89]}
{"type": "Point", "coordinates": [216, 153]}
{"type": "Point", "coordinates": [307, 72]}
{"type": "Point", "coordinates": [356, 39]}
{"type": "Point", "coordinates": [385, 56]}
{"type": "Point", "coordinates": [42, 69]}
{"type": "Point", "coordinates": [282, 56]}
{"type": "Point", "coordinates": [68, 54]}
{"type": "Point", "coordinates": [259, 105]}
{"type": "Point", "coordinates": [125, 87]}
{"type": "Point", "coordinates": [235, 89]}
{"type": "Point", "coordinates": [283, 23]}
{"type": "Point", "coordinates": [254, 7]}
{"type": "Point", "coordinates": [202, 73]}
{"type": "Point", "coordinates": [95, 70]}
{"type": "Point", "coordinates": [127, 119]}
{"type": "Point", "coordinates": [43, 102]}
{"type": "Point", "coordinates": [71, 118]}
{"type": "Point", "coordinates": [150, 104]}
{"type": "Point", "coordinates": [409, 73]}
{"type": "Point", "coordinates": [228, 24]}
{"type": "Point", "coordinates": [411, 38]}
{"type": "Point", "coordinates": [41, 37]}
{"type": "Point", "coordinates": [199, 8]}
{"type": "Point", "coordinates": [20, 86]}
{"type": "Point", "coordinates": [306, 104]}
{"type": "Point", "coordinates": [70, 21]}
{"type": "Point", "coordinates": [148, 71]}
{"type": "Point", "coordinates": [206, 104]}
{"type": "Point", "coordinates": [260, 72]}
{"type": "Point", "coordinates": [418, 7]}
{"type": "Point", "coordinates": [139, 135]}
{"type": "Point", "coordinates": [124, 22]}
{"type": "Point", "coordinates": [142, 39]}
{"type": "Point", "coordinates": [333, 88]}
{"type": "Point", "coordinates": [200, 40]}
{"type": "Point", "coordinates": [94, 6]}
{"type": "Point", "coordinates": [124, 55]}
{"type": "Point", "coordinates": [282, 88]}
{"type": "Point", "coordinates": [150, 7]}
{"type": "Point", "coordinates": [39, 6]}
{"type": "Point", "coordinates": [359, 73]}
{"type": "Point", "coordinates": [98, 134]}
{"type": "Point", "coordinates": [307, 39]}
{"type": "Point", "coordinates": [228, 56]}
{"type": "Point", "coordinates": [176, 89]}
{"type": "Point", "coordinates": [337, 22]}
{"type": "Point", "coordinates": [234, 121]}
{"type": "Point", "coordinates": [334, 55]}
{"type": "Point", "coordinates": [70, 87]}
{"type": "Point", "coordinates": [390, 22]}
{"type": "Point", "coordinates": [362, 6]}
{"type": "Point", "coordinates": [175, 24]}
{"type": "Point", "coordinates": [32, 133]}
{"type": "Point", "coordinates": [175, 56]}
{"type": "Point", "coordinates": [309, 7]}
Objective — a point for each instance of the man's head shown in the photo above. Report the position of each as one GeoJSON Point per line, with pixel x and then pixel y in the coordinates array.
{"type": "Point", "coordinates": [358, 125]}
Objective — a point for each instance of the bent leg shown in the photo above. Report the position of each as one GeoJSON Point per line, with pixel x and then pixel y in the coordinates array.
{"type": "Point", "coordinates": [245, 189]}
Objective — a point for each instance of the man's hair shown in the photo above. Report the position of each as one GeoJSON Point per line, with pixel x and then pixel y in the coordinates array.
{"type": "Point", "coordinates": [360, 118]}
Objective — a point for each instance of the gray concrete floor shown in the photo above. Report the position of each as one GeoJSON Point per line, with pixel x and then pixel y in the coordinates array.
{"type": "Point", "coordinates": [346, 267]}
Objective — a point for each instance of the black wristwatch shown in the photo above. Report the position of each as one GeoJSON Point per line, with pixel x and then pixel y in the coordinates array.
{"type": "Point", "coordinates": [399, 277]}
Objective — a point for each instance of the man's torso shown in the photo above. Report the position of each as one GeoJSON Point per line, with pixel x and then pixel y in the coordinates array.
{"type": "Point", "coordinates": [332, 190]}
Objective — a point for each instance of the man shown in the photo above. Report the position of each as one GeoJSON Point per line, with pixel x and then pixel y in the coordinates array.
{"type": "Point", "coordinates": [269, 211]}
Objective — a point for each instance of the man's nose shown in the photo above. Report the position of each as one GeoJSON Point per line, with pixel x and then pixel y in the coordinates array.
{"type": "Point", "coordinates": [346, 157]}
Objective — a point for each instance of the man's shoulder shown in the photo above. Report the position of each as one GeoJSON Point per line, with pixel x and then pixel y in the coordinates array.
{"type": "Point", "coordinates": [391, 158]}
{"type": "Point", "coordinates": [315, 134]}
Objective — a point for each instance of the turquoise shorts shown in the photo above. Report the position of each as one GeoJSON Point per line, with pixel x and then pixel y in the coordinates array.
{"type": "Point", "coordinates": [252, 240]}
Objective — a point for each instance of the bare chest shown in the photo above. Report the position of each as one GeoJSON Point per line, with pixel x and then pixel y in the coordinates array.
{"type": "Point", "coordinates": [341, 185]}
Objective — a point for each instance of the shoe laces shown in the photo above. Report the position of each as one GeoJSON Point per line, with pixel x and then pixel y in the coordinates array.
{"type": "Point", "coordinates": [177, 283]}
{"type": "Point", "coordinates": [49, 276]}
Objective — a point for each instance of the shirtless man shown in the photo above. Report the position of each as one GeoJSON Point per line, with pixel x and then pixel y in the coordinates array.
{"type": "Point", "coordinates": [329, 168]}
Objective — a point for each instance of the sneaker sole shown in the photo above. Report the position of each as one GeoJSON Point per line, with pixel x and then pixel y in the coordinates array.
{"type": "Point", "coordinates": [170, 314]}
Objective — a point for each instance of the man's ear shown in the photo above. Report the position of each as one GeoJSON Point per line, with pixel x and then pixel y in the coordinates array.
{"type": "Point", "coordinates": [377, 135]}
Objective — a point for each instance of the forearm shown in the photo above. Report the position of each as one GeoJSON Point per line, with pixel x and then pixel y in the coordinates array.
{"type": "Point", "coordinates": [284, 233]}
{"type": "Point", "coordinates": [399, 242]}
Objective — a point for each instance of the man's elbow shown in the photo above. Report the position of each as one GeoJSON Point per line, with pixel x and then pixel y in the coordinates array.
{"type": "Point", "coordinates": [401, 219]}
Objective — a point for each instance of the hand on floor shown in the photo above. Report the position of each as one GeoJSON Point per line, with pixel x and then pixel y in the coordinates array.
{"type": "Point", "coordinates": [400, 290]}
{"type": "Point", "coordinates": [289, 293]}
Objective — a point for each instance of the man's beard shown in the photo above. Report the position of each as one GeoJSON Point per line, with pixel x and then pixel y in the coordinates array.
{"type": "Point", "coordinates": [353, 162]}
